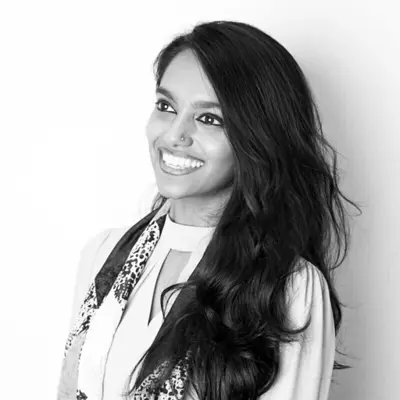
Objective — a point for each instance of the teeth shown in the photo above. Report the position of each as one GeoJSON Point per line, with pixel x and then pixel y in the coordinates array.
{"type": "Point", "coordinates": [180, 162]}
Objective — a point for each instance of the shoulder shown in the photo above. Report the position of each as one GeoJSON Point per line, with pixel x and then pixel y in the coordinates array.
{"type": "Point", "coordinates": [305, 278]}
{"type": "Point", "coordinates": [306, 365]}
{"type": "Point", "coordinates": [99, 246]}
{"type": "Point", "coordinates": [92, 257]}
{"type": "Point", "coordinates": [307, 294]}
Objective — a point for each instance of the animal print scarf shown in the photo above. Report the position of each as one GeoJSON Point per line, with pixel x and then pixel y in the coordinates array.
{"type": "Point", "coordinates": [107, 297]}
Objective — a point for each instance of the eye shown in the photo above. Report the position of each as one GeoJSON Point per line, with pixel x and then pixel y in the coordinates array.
{"type": "Point", "coordinates": [211, 117]}
{"type": "Point", "coordinates": [162, 102]}
{"type": "Point", "coordinates": [207, 118]}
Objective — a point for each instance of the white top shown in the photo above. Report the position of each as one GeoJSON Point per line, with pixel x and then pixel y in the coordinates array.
{"type": "Point", "coordinates": [306, 367]}
{"type": "Point", "coordinates": [134, 335]}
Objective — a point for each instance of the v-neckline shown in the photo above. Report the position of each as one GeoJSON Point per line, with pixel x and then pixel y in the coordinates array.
{"type": "Point", "coordinates": [182, 238]}
{"type": "Point", "coordinates": [156, 317]}
{"type": "Point", "coordinates": [183, 276]}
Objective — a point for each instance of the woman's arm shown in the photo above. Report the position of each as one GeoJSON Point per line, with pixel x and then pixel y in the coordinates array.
{"type": "Point", "coordinates": [306, 366]}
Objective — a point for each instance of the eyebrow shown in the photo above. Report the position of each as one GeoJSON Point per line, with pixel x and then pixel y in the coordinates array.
{"type": "Point", "coordinates": [196, 104]}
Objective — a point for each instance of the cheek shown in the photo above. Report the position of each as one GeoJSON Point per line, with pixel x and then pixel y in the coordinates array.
{"type": "Point", "coordinates": [223, 153]}
{"type": "Point", "coordinates": [222, 164]}
{"type": "Point", "coordinates": [228, 160]}
{"type": "Point", "coordinates": [152, 129]}
{"type": "Point", "coordinates": [150, 122]}
{"type": "Point", "coordinates": [229, 164]}
{"type": "Point", "coordinates": [151, 137]}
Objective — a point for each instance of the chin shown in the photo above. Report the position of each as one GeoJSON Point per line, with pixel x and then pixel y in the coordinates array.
{"type": "Point", "coordinates": [171, 192]}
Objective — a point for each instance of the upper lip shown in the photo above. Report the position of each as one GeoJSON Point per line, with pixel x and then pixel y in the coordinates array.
{"type": "Point", "coordinates": [178, 154]}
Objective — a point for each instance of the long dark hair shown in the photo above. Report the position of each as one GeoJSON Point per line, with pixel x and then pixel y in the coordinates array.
{"type": "Point", "coordinates": [285, 207]}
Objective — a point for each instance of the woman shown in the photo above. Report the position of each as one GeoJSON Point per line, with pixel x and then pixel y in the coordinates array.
{"type": "Point", "coordinates": [223, 287]}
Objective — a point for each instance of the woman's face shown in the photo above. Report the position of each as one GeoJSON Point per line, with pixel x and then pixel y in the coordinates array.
{"type": "Point", "coordinates": [175, 115]}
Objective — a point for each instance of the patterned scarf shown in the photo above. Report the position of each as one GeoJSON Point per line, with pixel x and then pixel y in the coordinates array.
{"type": "Point", "coordinates": [102, 309]}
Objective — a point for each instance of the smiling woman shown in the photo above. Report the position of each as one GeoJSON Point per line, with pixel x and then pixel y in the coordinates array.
{"type": "Point", "coordinates": [222, 289]}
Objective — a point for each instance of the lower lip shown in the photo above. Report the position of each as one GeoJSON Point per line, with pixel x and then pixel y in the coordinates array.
{"type": "Point", "coordinates": [173, 171]}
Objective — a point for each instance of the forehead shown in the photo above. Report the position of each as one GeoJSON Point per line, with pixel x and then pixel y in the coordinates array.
{"type": "Point", "coordinates": [185, 78]}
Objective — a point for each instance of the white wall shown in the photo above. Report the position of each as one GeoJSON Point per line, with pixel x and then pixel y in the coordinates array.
{"type": "Point", "coordinates": [76, 88]}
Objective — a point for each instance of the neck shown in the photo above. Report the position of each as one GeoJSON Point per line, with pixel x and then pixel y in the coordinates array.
{"type": "Point", "coordinates": [197, 212]}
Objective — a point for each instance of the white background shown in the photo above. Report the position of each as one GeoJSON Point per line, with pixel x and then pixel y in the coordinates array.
{"type": "Point", "coordinates": [76, 89]}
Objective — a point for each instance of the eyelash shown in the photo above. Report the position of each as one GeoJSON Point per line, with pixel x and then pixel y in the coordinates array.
{"type": "Point", "coordinates": [209, 115]}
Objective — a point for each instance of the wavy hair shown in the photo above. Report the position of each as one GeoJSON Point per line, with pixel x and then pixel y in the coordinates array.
{"type": "Point", "coordinates": [285, 207]}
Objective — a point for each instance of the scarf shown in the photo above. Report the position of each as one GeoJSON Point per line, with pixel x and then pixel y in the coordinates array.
{"type": "Point", "coordinates": [102, 309]}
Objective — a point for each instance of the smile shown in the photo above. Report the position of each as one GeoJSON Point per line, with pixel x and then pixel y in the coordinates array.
{"type": "Point", "coordinates": [171, 169]}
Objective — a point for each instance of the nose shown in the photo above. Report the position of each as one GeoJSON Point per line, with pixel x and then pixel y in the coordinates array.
{"type": "Point", "coordinates": [180, 132]}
